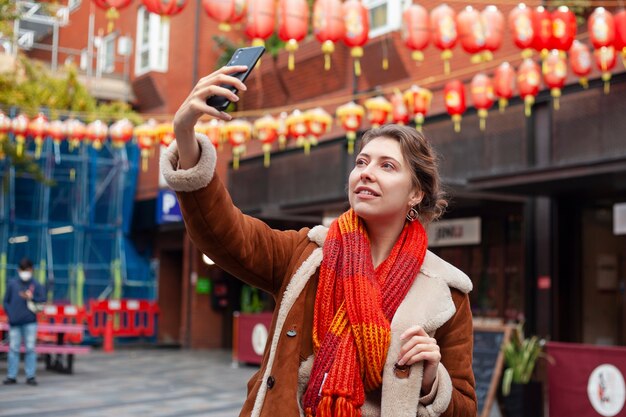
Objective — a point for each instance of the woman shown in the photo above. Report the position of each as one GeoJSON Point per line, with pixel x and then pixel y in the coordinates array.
{"type": "Point", "coordinates": [368, 322]}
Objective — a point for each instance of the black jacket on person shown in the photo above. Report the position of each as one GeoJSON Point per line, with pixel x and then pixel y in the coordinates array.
{"type": "Point", "coordinates": [15, 305]}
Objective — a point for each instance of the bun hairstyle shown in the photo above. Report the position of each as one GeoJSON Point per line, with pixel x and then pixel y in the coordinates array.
{"type": "Point", "coordinates": [424, 168]}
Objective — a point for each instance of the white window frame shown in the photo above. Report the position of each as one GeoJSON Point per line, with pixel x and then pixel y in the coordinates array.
{"type": "Point", "coordinates": [106, 63]}
{"type": "Point", "coordinates": [395, 8]}
{"type": "Point", "coordinates": [156, 44]}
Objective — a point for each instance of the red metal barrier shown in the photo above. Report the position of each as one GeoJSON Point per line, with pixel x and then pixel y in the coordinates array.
{"type": "Point", "coordinates": [62, 314]}
{"type": "Point", "coordinates": [130, 318]}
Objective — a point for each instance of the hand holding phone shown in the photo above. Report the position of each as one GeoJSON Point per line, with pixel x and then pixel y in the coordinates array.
{"type": "Point", "coordinates": [242, 56]}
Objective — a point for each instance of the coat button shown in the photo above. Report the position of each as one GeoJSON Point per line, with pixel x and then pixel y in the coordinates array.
{"type": "Point", "coordinates": [270, 382]}
{"type": "Point", "coordinates": [401, 371]}
{"type": "Point", "coordinates": [291, 333]}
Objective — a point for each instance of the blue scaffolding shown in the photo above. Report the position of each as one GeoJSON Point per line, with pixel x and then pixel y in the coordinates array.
{"type": "Point", "coordinates": [76, 230]}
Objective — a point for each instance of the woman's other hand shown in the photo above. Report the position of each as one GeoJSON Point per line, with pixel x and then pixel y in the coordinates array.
{"type": "Point", "coordinates": [418, 346]}
{"type": "Point", "coordinates": [195, 106]}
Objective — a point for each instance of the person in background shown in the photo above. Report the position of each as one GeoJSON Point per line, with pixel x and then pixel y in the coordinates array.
{"type": "Point", "coordinates": [368, 322]}
{"type": "Point", "coordinates": [20, 306]}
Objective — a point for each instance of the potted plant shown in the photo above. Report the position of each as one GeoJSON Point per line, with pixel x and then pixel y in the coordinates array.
{"type": "Point", "coordinates": [521, 396]}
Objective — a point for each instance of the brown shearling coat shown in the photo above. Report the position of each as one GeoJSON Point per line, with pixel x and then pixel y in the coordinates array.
{"type": "Point", "coordinates": [285, 264]}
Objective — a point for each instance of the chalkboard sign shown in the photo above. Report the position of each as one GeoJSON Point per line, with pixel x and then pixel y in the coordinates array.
{"type": "Point", "coordinates": [487, 363]}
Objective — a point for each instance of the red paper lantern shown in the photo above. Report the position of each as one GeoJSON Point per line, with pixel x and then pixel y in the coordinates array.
{"type": "Point", "coordinates": [528, 82]}
{"type": "Point", "coordinates": [38, 130]}
{"type": "Point", "coordinates": [554, 74]}
{"type": "Point", "coordinates": [97, 133]}
{"type": "Point", "coordinates": [378, 109]}
{"type": "Point", "coordinates": [299, 130]}
{"type": "Point", "coordinates": [418, 101]}
{"type": "Point", "coordinates": [5, 128]}
{"type": "Point", "coordinates": [399, 111]}
{"type": "Point", "coordinates": [350, 116]}
{"type": "Point", "coordinates": [318, 123]}
{"type": "Point", "coordinates": [57, 131]}
{"type": "Point", "coordinates": [293, 25]}
{"type": "Point", "coordinates": [112, 8]}
{"type": "Point", "coordinates": [605, 61]}
{"type": "Point", "coordinates": [225, 12]}
{"type": "Point", "coordinates": [19, 127]}
{"type": "Point", "coordinates": [504, 83]}
{"type": "Point", "coordinates": [328, 26]}
{"type": "Point", "coordinates": [76, 132]}
{"type": "Point", "coordinates": [165, 8]}
{"type": "Point", "coordinates": [238, 132]}
{"type": "Point", "coordinates": [620, 34]}
{"type": "Point", "coordinates": [563, 28]}
{"type": "Point", "coordinates": [483, 96]}
{"type": "Point", "coordinates": [165, 133]}
{"type": "Point", "coordinates": [282, 130]}
{"type": "Point", "coordinates": [357, 23]}
{"type": "Point", "coordinates": [146, 134]}
{"type": "Point", "coordinates": [443, 25]}
{"type": "Point", "coordinates": [266, 131]}
{"type": "Point", "coordinates": [471, 32]}
{"type": "Point", "coordinates": [260, 21]}
{"type": "Point", "coordinates": [580, 61]}
{"type": "Point", "coordinates": [542, 30]}
{"type": "Point", "coordinates": [601, 25]}
{"type": "Point", "coordinates": [214, 130]}
{"type": "Point", "coordinates": [416, 30]}
{"type": "Point", "coordinates": [493, 22]}
{"type": "Point", "coordinates": [454, 97]}
{"type": "Point", "coordinates": [121, 133]}
{"type": "Point", "coordinates": [521, 26]}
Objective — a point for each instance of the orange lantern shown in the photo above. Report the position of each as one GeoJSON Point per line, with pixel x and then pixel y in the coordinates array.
{"type": "Point", "coordinates": [328, 26]}
{"type": "Point", "coordinates": [145, 134]}
{"type": "Point", "coordinates": [482, 96]}
{"type": "Point", "coordinates": [76, 132]}
{"type": "Point", "coordinates": [165, 133]}
{"type": "Point", "coordinates": [416, 30]}
{"type": "Point", "coordinates": [38, 130]}
{"type": "Point", "coordinates": [5, 128]}
{"type": "Point", "coordinates": [542, 30]}
{"type": "Point", "coordinates": [357, 23]}
{"type": "Point", "coordinates": [121, 133]}
{"type": "Point", "coordinates": [493, 22]}
{"type": "Point", "coordinates": [605, 61]}
{"type": "Point", "coordinates": [471, 32]}
{"type": "Point", "coordinates": [214, 130]}
{"type": "Point", "coordinates": [378, 109]}
{"type": "Point", "coordinates": [165, 7]}
{"type": "Point", "coordinates": [112, 8]}
{"type": "Point", "coordinates": [299, 130]}
{"type": "Point", "coordinates": [225, 12]}
{"type": "Point", "coordinates": [19, 127]}
{"type": "Point", "coordinates": [620, 34]}
{"type": "Point", "coordinates": [399, 111]}
{"type": "Point", "coordinates": [260, 21]}
{"type": "Point", "coordinates": [282, 130]}
{"type": "Point", "coordinates": [443, 25]}
{"type": "Point", "coordinates": [580, 61]}
{"type": "Point", "coordinates": [454, 97]}
{"type": "Point", "coordinates": [418, 101]}
{"type": "Point", "coordinates": [350, 116]}
{"type": "Point", "coordinates": [238, 132]}
{"type": "Point", "coordinates": [601, 26]}
{"type": "Point", "coordinates": [521, 26]}
{"type": "Point", "coordinates": [97, 132]}
{"type": "Point", "coordinates": [554, 74]}
{"type": "Point", "coordinates": [528, 81]}
{"type": "Point", "coordinates": [266, 131]}
{"type": "Point", "coordinates": [563, 28]}
{"type": "Point", "coordinates": [504, 82]}
{"type": "Point", "coordinates": [57, 131]}
{"type": "Point", "coordinates": [318, 123]}
{"type": "Point", "coordinates": [293, 22]}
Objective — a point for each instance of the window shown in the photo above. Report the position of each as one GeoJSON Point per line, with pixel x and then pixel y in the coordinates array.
{"type": "Point", "coordinates": [153, 38]}
{"type": "Point", "coordinates": [385, 15]}
{"type": "Point", "coordinates": [106, 55]}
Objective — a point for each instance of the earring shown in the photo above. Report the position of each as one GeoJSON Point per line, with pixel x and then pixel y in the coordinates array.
{"type": "Point", "coordinates": [412, 214]}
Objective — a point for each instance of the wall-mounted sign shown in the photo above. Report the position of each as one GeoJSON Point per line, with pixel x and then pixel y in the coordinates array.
{"type": "Point", "coordinates": [619, 219]}
{"type": "Point", "coordinates": [455, 232]}
{"type": "Point", "coordinates": [168, 210]}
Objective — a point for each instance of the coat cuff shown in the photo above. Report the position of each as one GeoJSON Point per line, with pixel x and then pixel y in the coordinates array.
{"type": "Point", "coordinates": [194, 178]}
{"type": "Point", "coordinates": [429, 398]}
{"type": "Point", "coordinates": [442, 394]}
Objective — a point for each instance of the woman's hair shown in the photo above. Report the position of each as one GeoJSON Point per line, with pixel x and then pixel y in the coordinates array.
{"type": "Point", "coordinates": [423, 162]}
{"type": "Point", "coordinates": [25, 264]}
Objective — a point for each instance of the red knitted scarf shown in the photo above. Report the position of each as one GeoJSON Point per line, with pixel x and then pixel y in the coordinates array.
{"type": "Point", "coordinates": [354, 306]}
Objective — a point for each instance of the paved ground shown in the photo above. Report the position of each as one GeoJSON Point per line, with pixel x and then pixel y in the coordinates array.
{"type": "Point", "coordinates": [133, 382]}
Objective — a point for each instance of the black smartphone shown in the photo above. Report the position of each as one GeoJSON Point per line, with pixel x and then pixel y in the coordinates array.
{"type": "Point", "coordinates": [242, 56]}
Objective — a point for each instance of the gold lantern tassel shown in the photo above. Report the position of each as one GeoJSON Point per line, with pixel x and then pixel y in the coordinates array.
{"type": "Point", "coordinates": [528, 104]}
{"type": "Point", "coordinates": [291, 47]}
{"type": "Point", "coordinates": [351, 135]}
{"type": "Point", "coordinates": [584, 82]}
{"type": "Point", "coordinates": [145, 153]}
{"type": "Point", "coordinates": [112, 15]}
{"type": "Point", "coordinates": [502, 103]}
{"type": "Point", "coordinates": [456, 118]}
{"type": "Point", "coordinates": [606, 77]}
{"type": "Point", "coordinates": [556, 93]}
{"type": "Point", "coordinates": [267, 149]}
{"type": "Point", "coordinates": [446, 56]}
{"type": "Point", "coordinates": [72, 174]}
{"type": "Point", "coordinates": [357, 53]}
{"type": "Point", "coordinates": [419, 121]}
{"type": "Point", "coordinates": [20, 139]}
{"type": "Point", "coordinates": [306, 143]}
{"type": "Point", "coordinates": [417, 56]}
{"type": "Point", "coordinates": [38, 146]}
{"type": "Point", "coordinates": [328, 47]}
{"type": "Point", "coordinates": [482, 115]}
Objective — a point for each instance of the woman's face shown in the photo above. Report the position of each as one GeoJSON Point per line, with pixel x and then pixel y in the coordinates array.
{"type": "Point", "coordinates": [380, 186]}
